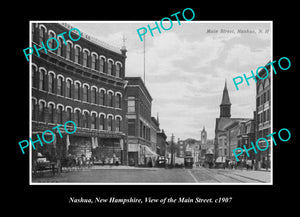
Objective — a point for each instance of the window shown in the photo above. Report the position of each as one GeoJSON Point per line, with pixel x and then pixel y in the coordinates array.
{"type": "Point", "coordinates": [42, 80]}
{"type": "Point", "coordinates": [51, 113]}
{"type": "Point", "coordinates": [77, 91]}
{"type": "Point", "coordinates": [32, 31]}
{"type": "Point", "coordinates": [68, 90]}
{"type": "Point", "coordinates": [101, 122]}
{"type": "Point", "coordinates": [102, 64]}
{"type": "Point", "coordinates": [118, 68]}
{"type": "Point", "coordinates": [60, 85]}
{"type": "Point", "coordinates": [50, 42]}
{"type": "Point", "coordinates": [85, 93]}
{"type": "Point", "coordinates": [51, 83]}
{"type": "Point", "coordinates": [102, 97]}
{"type": "Point", "coordinates": [42, 35]}
{"type": "Point", "coordinates": [93, 95]}
{"type": "Point", "coordinates": [85, 58]}
{"type": "Point", "coordinates": [77, 55]}
{"type": "Point", "coordinates": [131, 104]}
{"type": "Point", "coordinates": [34, 76]}
{"type": "Point", "coordinates": [267, 83]}
{"type": "Point", "coordinates": [60, 114]}
{"type": "Point", "coordinates": [93, 66]}
{"type": "Point", "coordinates": [109, 123]}
{"type": "Point", "coordinates": [141, 129]}
{"type": "Point", "coordinates": [77, 118]}
{"type": "Point", "coordinates": [118, 101]}
{"type": "Point", "coordinates": [118, 124]}
{"type": "Point", "coordinates": [260, 89]}
{"type": "Point", "coordinates": [109, 67]}
{"type": "Point", "coordinates": [85, 119]}
{"type": "Point", "coordinates": [131, 127]}
{"type": "Point", "coordinates": [60, 47]}
{"type": "Point", "coordinates": [68, 54]}
{"type": "Point", "coordinates": [69, 114]}
{"type": "Point", "coordinates": [42, 106]}
{"type": "Point", "coordinates": [144, 132]}
{"type": "Point", "coordinates": [262, 99]}
{"type": "Point", "coordinates": [110, 99]}
{"type": "Point", "coordinates": [93, 121]}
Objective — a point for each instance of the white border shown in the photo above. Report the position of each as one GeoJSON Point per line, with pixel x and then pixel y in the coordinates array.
{"type": "Point", "coordinates": [144, 183]}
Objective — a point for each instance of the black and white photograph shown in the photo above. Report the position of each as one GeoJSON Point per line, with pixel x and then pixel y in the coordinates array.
{"type": "Point", "coordinates": [151, 102]}
{"type": "Point", "coordinates": [167, 107]}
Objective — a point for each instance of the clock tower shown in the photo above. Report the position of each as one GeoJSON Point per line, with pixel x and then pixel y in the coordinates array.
{"type": "Point", "coordinates": [203, 136]}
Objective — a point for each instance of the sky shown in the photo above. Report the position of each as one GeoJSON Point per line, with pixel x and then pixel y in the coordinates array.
{"type": "Point", "coordinates": [186, 68]}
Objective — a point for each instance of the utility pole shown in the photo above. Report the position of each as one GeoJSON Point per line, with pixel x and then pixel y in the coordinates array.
{"type": "Point", "coordinates": [145, 60]}
{"type": "Point", "coordinates": [172, 151]}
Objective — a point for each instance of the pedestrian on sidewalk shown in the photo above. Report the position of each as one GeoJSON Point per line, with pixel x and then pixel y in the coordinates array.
{"type": "Point", "coordinates": [249, 164]}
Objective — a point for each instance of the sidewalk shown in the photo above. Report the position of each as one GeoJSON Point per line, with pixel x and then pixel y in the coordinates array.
{"type": "Point", "coordinates": [105, 167]}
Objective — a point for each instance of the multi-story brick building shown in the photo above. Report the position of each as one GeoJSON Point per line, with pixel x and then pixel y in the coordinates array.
{"type": "Point", "coordinates": [263, 117]}
{"type": "Point", "coordinates": [139, 102]}
{"type": "Point", "coordinates": [82, 81]}
{"type": "Point", "coordinates": [240, 133]}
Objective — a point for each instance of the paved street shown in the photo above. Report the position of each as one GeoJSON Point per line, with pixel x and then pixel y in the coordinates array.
{"type": "Point", "coordinates": [124, 174]}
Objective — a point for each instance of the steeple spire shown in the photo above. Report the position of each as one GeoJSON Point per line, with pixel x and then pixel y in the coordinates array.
{"type": "Point", "coordinates": [225, 98]}
{"type": "Point", "coordinates": [225, 104]}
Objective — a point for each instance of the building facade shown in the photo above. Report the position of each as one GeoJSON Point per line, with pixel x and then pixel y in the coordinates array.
{"type": "Point", "coordinates": [226, 130]}
{"type": "Point", "coordinates": [82, 81]}
{"type": "Point", "coordinates": [220, 141]}
{"type": "Point", "coordinates": [240, 133]}
{"type": "Point", "coordinates": [245, 136]}
{"type": "Point", "coordinates": [263, 117]}
{"type": "Point", "coordinates": [141, 150]}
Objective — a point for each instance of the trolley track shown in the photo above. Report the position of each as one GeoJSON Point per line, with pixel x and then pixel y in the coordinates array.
{"type": "Point", "coordinates": [222, 177]}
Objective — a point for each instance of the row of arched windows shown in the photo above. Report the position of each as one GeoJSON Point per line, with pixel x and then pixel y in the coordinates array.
{"type": "Point", "coordinates": [53, 83]}
{"type": "Point", "coordinates": [48, 112]}
{"type": "Point", "coordinates": [263, 92]}
{"type": "Point", "coordinates": [263, 96]}
{"type": "Point", "coordinates": [77, 54]}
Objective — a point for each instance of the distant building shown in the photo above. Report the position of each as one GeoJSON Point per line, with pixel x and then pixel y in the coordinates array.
{"type": "Point", "coordinates": [203, 136]}
{"type": "Point", "coordinates": [206, 145]}
{"type": "Point", "coordinates": [154, 130]}
{"type": "Point", "coordinates": [245, 136]}
{"type": "Point", "coordinates": [189, 147]}
{"type": "Point", "coordinates": [221, 142]}
{"type": "Point", "coordinates": [162, 144]}
{"type": "Point", "coordinates": [240, 133]}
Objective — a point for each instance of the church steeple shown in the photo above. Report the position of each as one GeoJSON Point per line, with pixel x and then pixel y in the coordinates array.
{"type": "Point", "coordinates": [225, 104]}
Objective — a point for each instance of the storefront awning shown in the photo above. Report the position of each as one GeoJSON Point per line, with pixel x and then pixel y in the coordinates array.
{"type": "Point", "coordinates": [149, 152]}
